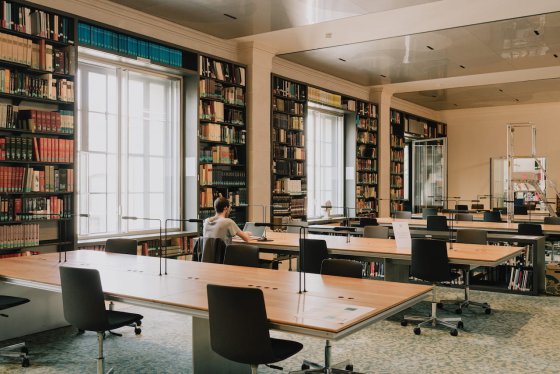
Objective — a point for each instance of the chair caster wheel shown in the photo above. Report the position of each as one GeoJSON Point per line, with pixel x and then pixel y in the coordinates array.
{"type": "Point", "coordinates": [440, 305]}
{"type": "Point", "coordinates": [305, 367]}
{"type": "Point", "coordinates": [459, 311]}
{"type": "Point", "coordinates": [454, 332]}
{"type": "Point", "coordinates": [404, 323]}
{"type": "Point", "coordinates": [24, 350]}
{"type": "Point", "coordinates": [460, 325]}
{"type": "Point", "coordinates": [137, 331]}
{"type": "Point", "coordinates": [139, 323]}
{"type": "Point", "coordinates": [417, 331]}
{"type": "Point", "coordinates": [349, 367]}
{"type": "Point", "coordinates": [25, 362]}
{"type": "Point", "coordinates": [487, 310]}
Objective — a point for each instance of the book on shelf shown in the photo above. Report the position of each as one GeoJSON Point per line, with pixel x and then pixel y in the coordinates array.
{"type": "Point", "coordinates": [209, 194]}
{"type": "Point", "coordinates": [323, 97]}
{"type": "Point", "coordinates": [16, 179]}
{"type": "Point", "coordinates": [220, 175]}
{"type": "Point", "coordinates": [287, 185]}
{"type": "Point", "coordinates": [291, 90]}
{"type": "Point", "coordinates": [287, 106]}
{"type": "Point", "coordinates": [43, 87]}
{"type": "Point", "coordinates": [60, 122]}
{"type": "Point", "coordinates": [35, 208]}
{"type": "Point", "coordinates": [211, 110]}
{"type": "Point", "coordinates": [14, 148]}
{"type": "Point", "coordinates": [16, 236]}
{"type": "Point", "coordinates": [219, 154]}
{"type": "Point", "coordinates": [222, 133]}
{"type": "Point", "coordinates": [221, 70]}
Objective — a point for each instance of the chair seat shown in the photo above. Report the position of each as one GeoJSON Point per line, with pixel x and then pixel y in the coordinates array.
{"type": "Point", "coordinates": [119, 319]}
{"type": "Point", "coordinates": [11, 301]}
{"type": "Point", "coordinates": [284, 348]}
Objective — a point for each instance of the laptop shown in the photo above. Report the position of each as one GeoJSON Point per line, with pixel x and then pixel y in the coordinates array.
{"type": "Point", "coordinates": [257, 232]}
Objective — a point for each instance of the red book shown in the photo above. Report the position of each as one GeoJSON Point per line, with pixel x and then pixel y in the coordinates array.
{"type": "Point", "coordinates": [36, 150]}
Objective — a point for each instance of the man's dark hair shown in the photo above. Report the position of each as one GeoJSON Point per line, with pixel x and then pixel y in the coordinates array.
{"type": "Point", "coordinates": [220, 204]}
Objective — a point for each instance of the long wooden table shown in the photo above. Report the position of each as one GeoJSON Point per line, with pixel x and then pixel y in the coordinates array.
{"type": "Point", "coordinates": [537, 217]}
{"type": "Point", "coordinates": [332, 307]}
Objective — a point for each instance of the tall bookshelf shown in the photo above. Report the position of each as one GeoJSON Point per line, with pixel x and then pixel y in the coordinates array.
{"type": "Point", "coordinates": [222, 152]}
{"type": "Point", "coordinates": [366, 158]}
{"type": "Point", "coordinates": [397, 161]}
{"type": "Point", "coordinates": [289, 107]}
{"type": "Point", "coordinates": [37, 68]}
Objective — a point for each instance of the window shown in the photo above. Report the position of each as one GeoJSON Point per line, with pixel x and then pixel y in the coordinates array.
{"type": "Point", "coordinates": [128, 144]}
{"type": "Point", "coordinates": [325, 161]}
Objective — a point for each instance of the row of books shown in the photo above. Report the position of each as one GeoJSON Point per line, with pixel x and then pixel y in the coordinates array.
{"type": "Point", "coordinates": [289, 138]}
{"type": "Point", "coordinates": [294, 153]}
{"type": "Point", "coordinates": [289, 168]}
{"type": "Point", "coordinates": [287, 185]}
{"type": "Point", "coordinates": [367, 109]}
{"type": "Point", "coordinates": [16, 236]}
{"type": "Point", "coordinates": [291, 90]}
{"type": "Point", "coordinates": [368, 124]}
{"type": "Point", "coordinates": [214, 175]}
{"type": "Point", "coordinates": [223, 71]}
{"type": "Point", "coordinates": [281, 204]}
{"type": "Point", "coordinates": [285, 121]}
{"type": "Point", "coordinates": [12, 117]}
{"type": "Point", "coordinates": [234, 116]}
{"type": "Point", "coordinates": [220, 133]}
{"type": "Point", "coordinates": [366, 178]}
{"type": "Point", "coordinates": [396, 181]}
{"type": "Point", "coordinates": [366, 204]}
{"type": "Point", "coordinates": [367, 137]}
{"type": "Point", "coordinates": [366, 151]}
{"type": "Point", "coordinates": [113, 41]}
{"type": "Point", "coordinates": [397, 206]}
{"type": "Point", "coordinates": [397, 193]}
{"type": "Point", "coordinates": [35, 22]}
{"type": "Point", "coordinates": [366, 165]}
{"type": "Point", "coordinates": [397, 155]}
{"type": "Point", "coordinates": [220, 154]}
{"type": "Point", "coordinates": [15, 148]}
{"type": "Point", "coordinates": [319, 96]}
{"type": "Point", "coordinates": [298, 206]}
{"type": "Point", "coordinates": [366, 192]}
{"type": "Point", "coordinates": [209, 194]}
{"type": "Point", "coordinates": [395, 117]}
{"type": "Point", "coordinates": [286, 106]}
{"type": "Point", "coordinates": [397, 167]}
{"type": "Point", "coordinates": [43, 86]}
{"type": "Point", "coordinates": [397, 141]}
{"type": "Point", "coordinates": [377, 269]}
{"type": "Point", "coordinates": [25, 179]}
{"type": "Point", "coordinates": [35, 208]}
{"type": "Point", "coordinates": [211, 110]}
{"type": "Point", "coordinates": [213, 89]}
{"type": "Point", "coordinates": [520, 279]}
{"type": "Point", "coordinates": [348, 104]}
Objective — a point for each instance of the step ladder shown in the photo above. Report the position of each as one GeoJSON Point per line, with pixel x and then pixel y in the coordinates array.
{"type": "Point", "coordinates": [529, 178]}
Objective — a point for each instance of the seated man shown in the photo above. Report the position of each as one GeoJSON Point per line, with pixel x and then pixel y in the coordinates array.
{"type": "Point", "coordinates": [220, 226]}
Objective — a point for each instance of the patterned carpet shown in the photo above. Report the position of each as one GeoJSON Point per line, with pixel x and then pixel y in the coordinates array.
{"type": "Point", "coordinates": [521, 336]}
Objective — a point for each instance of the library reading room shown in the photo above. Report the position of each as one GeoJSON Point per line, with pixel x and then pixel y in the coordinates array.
{"type": "Point", "coordinates": [257, 186]}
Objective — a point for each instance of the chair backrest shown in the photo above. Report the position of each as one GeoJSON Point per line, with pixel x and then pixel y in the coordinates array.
{"type": "Point", "coordinates": [82, 298]}
{"type": "Point", "coordinates": [314, 252]}
{"type": "Point", "coordinates": [477, 206]}
{"type": "Point", "coordinates": [368, 221]}
{"type": "Point", "coordinates": [342, 268]}
{"type": "Point", "coordinates": [522, 210]}
{"type": "Point", "coordinates": [493, 216]}
{"type": "Point", "coordinates": [463, 217]}
{"type": "Point", "coordinates": [121, 245]}
{"type": "Point", "coordinates": [381, 232]}
{"type": "Point", "coordinates": [238, 324]}
{"type": "Point", "coordinates": [429, 260]}
{"type": "Point", "coordinates": [213, 250]}
{"type": "Point", "coordinates": [403, 214]}
{"type": "Point", "coordinates": [552, 220]}
{"type": "Point", "coordinates": [472, 236]}
{"type": "Point", "coordinates": [428, 212]}
{"type": "Point", "coordinates": [461, 207]}
{"type": "Point", "coordinates": [529, 229]}
{"type": "Point", "coordinates": [437, 223]}
{"type": "Point", "coordinates": [242, 255]}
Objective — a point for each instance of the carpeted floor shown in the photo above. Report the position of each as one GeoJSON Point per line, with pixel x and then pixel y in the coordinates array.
{"type": "Point", "coordinates": [521, 336]}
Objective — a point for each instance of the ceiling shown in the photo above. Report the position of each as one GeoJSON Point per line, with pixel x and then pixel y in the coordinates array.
{"type": "Point", "coordinates": [398, 44]}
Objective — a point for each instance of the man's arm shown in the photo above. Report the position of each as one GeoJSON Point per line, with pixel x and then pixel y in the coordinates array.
{"type": "Point", "coordinates": [245, 235]}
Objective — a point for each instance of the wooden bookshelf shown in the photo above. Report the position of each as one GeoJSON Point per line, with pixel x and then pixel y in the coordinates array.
{"type": "Point", "coordinates": [222, 137]}
{"type": "Point", "coordinates": [289, 184]}
{"type": "Point", "coordinates": [397, 161]}
{"type": "Point", "coordinates": [37, 69]}
{"type": "Point", "coordinates": [366, 158]}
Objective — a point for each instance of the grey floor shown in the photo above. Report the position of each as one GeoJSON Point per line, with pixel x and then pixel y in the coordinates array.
{"type": "Point", "coordinates": [521, 336]}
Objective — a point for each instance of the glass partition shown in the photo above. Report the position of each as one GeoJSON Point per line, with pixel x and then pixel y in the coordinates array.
{"type": "Point", "coordinates": [429, 173]}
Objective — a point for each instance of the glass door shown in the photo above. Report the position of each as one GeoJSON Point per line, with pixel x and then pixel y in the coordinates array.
{"type": "Point", "coordinates": [429, 174]}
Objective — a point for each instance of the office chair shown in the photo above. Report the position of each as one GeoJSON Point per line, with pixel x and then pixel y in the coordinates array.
{"type": "Point", "coordinates": [437, 223]}
{"type": "Point", "coordinates": [381, 232]}
{"type": "Point", "coordinates": [213, 250]}
{"type": "Point", "coordinates": [520, 210]}
{"type": "Point", "coordinates": [7, 302]}
{"type": "Point", "coordinates": [477, 206]}
{"type": "Point", "coordinates": [121, 245]}
{"type": "Point", "coordinates": [428, 212]}
{"type": "Point", "coordinates": [430, 263]}
{"type": "Point", "coordinates": [401, 214]}
{"type": "Point", "coordinates": [239, 327]}
{"type": "Point", "coordinates": [314, 252]}
{"type": "Point", "coordinates": [464, 217]}
{"type": "Point", "coordinates": [529, 229]}
{"type": "Point", "coordinates": [552, 220]}
{"type": "Point", "coordinates": [342, 268]}
{"type": "Point", "coordinates": [555, 239]}
{"type": "Point", "coordinates": [242, 255]}
{"type": "Point", "coordinates": [84, 307]}
{"type": "Point", "coordinates": [368, 221]}
{"type": "Point", "coordinates": [461, 207]}
{"type": "Point", "coordinates": [493, 216]}
{"type": "Point", "coordinates": [469, 236]}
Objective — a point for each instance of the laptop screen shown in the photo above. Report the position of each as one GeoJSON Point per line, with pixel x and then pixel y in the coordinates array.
{"type": "Point", "coordinates": [256, 231]}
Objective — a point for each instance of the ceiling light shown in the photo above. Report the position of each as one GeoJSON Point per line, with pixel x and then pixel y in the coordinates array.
{"type": "Point", "coordinates": [341, 59]}
{"type": "Point", "coordinates": [455, 105]}
{"type": "Point", "coordinates": [430, 47]}
{"type": "Point", "coordinates": [230, 16]}
{"type": "Point", "coordinates": [499, 89]}
{"type": "Point", "coordinates": [537, 33]}
{"type": "Point", "coordinates": [434, 96]}
{"type": "Point", "coordinates": [462, 66]}
{"type": "Point", "coordinates": [383, 76]}
{"type": "Point", "coordinates": [516, 100]}
{"type": "Point", "coordinates": [555, 55]}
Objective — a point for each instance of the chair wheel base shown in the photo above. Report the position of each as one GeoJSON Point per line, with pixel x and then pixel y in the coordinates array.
{"type": "Point", "coordinates": [25, 362]}
{"type": "Point", "coordinates": [488, 310]}
{"type": "Point", "coordinates": [417, 331]}
{"type": "Point", "coordinates": [460, 325]}
{"type": "Point", "coordinates": [137, 331]}
{"type": "Point", "coordinates": [404, 323]}
{"type": "Point", "coordinates": [305, 367]}
{"type": "Point", "coordinates": [454, 332]}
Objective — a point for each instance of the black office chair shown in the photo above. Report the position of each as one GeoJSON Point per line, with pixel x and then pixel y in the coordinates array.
{"type": "Point", "coordinates": [239, 327]}
{"type": "Point", "coordinates": [477, 206]}
{"type": "Point", "coordinates": [437, 223]}
{"type": "Point", "coordinates": [401, 214]}
{"type": "Point", "coordinates": [342, 268]}
{"type": "Point", "coordinates": [381, 232]}
{"type": "Point", "coordinates": [430, 263]}
{"type": "Point", "coordinates": [429, 212]}
{"type": "Point", "coordinates": [469, 236]}
{"type": "Point", "coordinates": [493, 216]}
{"type": "Point", "coordinates": [314, 252]}
{"type": "Point", "coordinates": [242, 255]}
{"type": "Point", "coordinates": [519, 210]}
{"type": "Point", "coordinates": [529, 229]}
{"type": "Point", "coordinates": [552, 220]}
{"type": "Point", "coordinates": [19, 349]}
{"type": "Point", "coordinates": [554, 239]}
{"type": "Point", "coordinates": [368, 221]}
{"type": "Point", "coordinates": [460, 207]}
{"type": "Point", "coordinates": [464, 217]}
{"type": "Point", "coordinates": [213, 250]}
{"type": "Point", "coordinates": [84, 307]}
{"type": "Point", "coordinates": [121, 245]}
